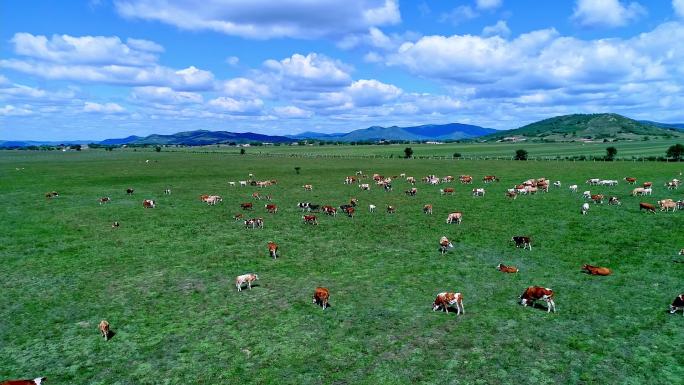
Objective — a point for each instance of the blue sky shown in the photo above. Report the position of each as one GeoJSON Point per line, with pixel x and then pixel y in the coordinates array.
{"type": "Point", "coordinates": [111, 68]}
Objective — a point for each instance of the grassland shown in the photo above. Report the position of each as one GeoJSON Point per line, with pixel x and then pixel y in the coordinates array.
{"type": "Point", "coordinates": [164, 279]}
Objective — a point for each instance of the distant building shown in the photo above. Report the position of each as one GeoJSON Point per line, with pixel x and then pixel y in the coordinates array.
{"type": "Point", "coordinates": [433, 142]}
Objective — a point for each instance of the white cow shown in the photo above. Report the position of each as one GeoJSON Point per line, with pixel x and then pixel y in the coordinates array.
{"type": "Point", "coordinates": [371, 208]}
{"type": "Point", "coordinates": [585, 208]}
{"type": "Point", "coordinates": [573, 188]}
{"type": "Point", "coordinates": [586, 194]}
{"type": "Point", "coordinates": [557, 183]}
{"type": "Point", "coordinates": [243, 183]}
{"type": "Point", "coordinates": [249, 278]}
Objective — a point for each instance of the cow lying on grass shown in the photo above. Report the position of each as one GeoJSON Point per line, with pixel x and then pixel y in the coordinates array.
{"type": "Point", "coordinates": [35, 381]}
{"type": "Point", "coordinates": [596, 270]}
{"type": "Point", "coordinates": [507, 269]}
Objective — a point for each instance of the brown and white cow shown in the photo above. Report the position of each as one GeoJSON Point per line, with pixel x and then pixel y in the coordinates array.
{"type": "Point", "coordinates": [104, 200]}
{"type": "Point", "coordinates": [321, 296]}
{"type": "Point", "coordinates": [522, 241]}
{"type": "Point", "coordinates": [271, 208]}
{"type": "Point", "coordinates": [391, 209]}
{"type": "Point", "coordinates": [129, 191]}
{"type": "Point", "coordinates": [596, 270]}
{"type": "Point", "coordinates": [507, 269]}
{"type": "Point", "coordinates": [490, 178]}
{"type": "Point", "coordinates": [51, 194]}
{"type": "Point", "coordinates": [444, 191]}
{"type": "Point", "coordinates": [647, 206]}
{"type": "Point", "coordinates": [597, 198]}
{"type": "Point", "coordinates": [35, 381]}
{"type": "Point", "coordinates": [445, 300]}
{"type": "Point", "coordinates": [411, 179]}
{"type": "Point", "coordinates": [307, 187]}
{"type": "Point", "coordinates": [350, 211]}
{"type": "Point", "coordinates": [104, 329]}
{"type": "Point", "coordinates": [427, 209]}
{"type": "Point", "coordinates": [667, 205]}
{"type": "Point", "coordinates": [444, 245]}
{"type": "Point", "coordinates": [149, 204]}
{"type": "Point", "coordinates": [466, 179]}
{"type": "Point", "coordinates": [535, 293]}
{"type": "Point", "coordinates": [246, 206]}
{"type": "Point", "coordinates": [245, 278]}
{"type": "Point", "coordinates": [327, 209]}
{"type": "Point", "coordinates": [310, 219]}
{"type": "Point", "coordinates": [677, 304]}
{"type": "Point", "coordinates": [273, 249]}
{"type": "Point", "coordinates": [630, 180]}
{"type": "Point", "coordinates": [411, 192]}
{"type": "Point", "coordinates": [455, 217]}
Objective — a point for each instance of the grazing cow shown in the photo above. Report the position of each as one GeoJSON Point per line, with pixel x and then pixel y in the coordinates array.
{"type": "Point", "coordinates": [681, 252]}
{"type": "Point", "coordinates": [535, 293]}
{"type": "Point", "coordinates": [364, 187]}
{"type": "Point", "coordinates": [51, 194]}
{"type": "Point", "coordinates": [671, 185]}
{"type": "Point", "coordinates": [350, 212]}
{"type": "Point", "coordinates": [212, 200]}
{"type": "Point", "coordinates": [149, 204]}
{"type": "Point", "coordinates": [597, 198]}
{"type": "Point", "coordinates": [445, 300]}
{"type": "Point", "coordinates": [104, 200]}
{"type": "Point", "coordinates": [411, 192]}
{"type": "Point", "coordinates": [129, 191]}
{"type": "Point", "coordinates": [254, 223]}
{"type": "Point", "coordinates": [353, 202]}
{"type": "Point", "coordinates": [104, 329]}
{"type": "Point", "coordinates": [307, 187]}
{"type": "Point", "coordinates": [557, 183]}
{"type": "Point", "coordinates": [647, 206]}
{"type": "Point", "coordinates": [647, 184]}
{"type": "Point", "coordinates": [585, 208]}
{"type": "Point", "coordinates": [593, 181]}
{"type": "Point", "coordinates": [241, 279]}
{"type": "Point", "coordinates": [237, 217]}
{"type": "Point", "coordinates": [387, 187]}
{"type": "Point", "coordinates": [310, 219]}
{"type": "Point", "coordinates": [455, 217]}
{"type": "Point", "coordinates": [243, 183]}
{"type": "Point", "coordinates": [167, 191]}
{"type": "Point", "coordinates": [444, 245]}
{"type": "Point", "coordinates": [246, 206]}
{"type": "Point", "coordinates": [446, 191]}
{"type": "Point", "coordinates": [411, 179]}
{"type": "Point", "coordinates": [507, 269]}
{"type": "Point", "coordinates": [391, 209]}
{"type": "Point", "coordinates": [321, 296]}
{"type": "Point", "coordinates": [35, 381]}
{"type": "Point", "coordinates": [231, 184]}
{"type": "Point", "coordinates": [586, 194]}
{"type": "Point", "coordinates": [677, 304]}
{"type": "Point", "coordinates": [573, 188]}
{"type": "Point", "coordinates": [329, 210]}
{"type": "Point", "coordinates": [667, 204]}
{"type": "Point", "coordinates": [478, 192]}
{"type": "Point", "coordinates": [630, 180]}
{"type": "Point", "coordinates": [512, 194]}
{"type": "Point", "coordinates": [596, 270]}
{"type": "Point", "coordinates": [115, 224]}
{"type": "Point", "coordinates": [427, 209]}
{"type": "Point", "coordinates": [489, 179]}
{"type": "Point", "coordinates": [271, 208]}
{"type": "Point", "coordinates": [256, 195]}
{"type": "Point", "coordinates": [273, 250]}
{"type": "Point", "coordinates": [522, 241]}
{"type": "Point", "coordinates": [614, 201]}
{"type": "Point", "coordinates": [371, 208]}
{"type": "Point", "coordinates": [466, 179]}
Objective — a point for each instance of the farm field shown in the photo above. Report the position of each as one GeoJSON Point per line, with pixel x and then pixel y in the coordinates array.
{"type": "Point", "coordinates": [626, 149]}
{"type": "Point", "coordinates": [165, 278]}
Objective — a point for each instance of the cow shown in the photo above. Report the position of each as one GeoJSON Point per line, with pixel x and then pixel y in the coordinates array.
{"type": "Point", "coordinates": [573, 188]}
{"type": "Point", "coordinates": [647, 184]}
{"type": "Point", "coordinates": [303, 205]}
{"type": "Point", "coordinates": [246, 206]}
{"type": "Point", "coordinates": [522, 241]}
{"type": "Point", "coordinates": [310, 219]}
{"type": "Point", "coordinates": [104, 200]}
{"type": "Point", "coordinates": [411, 192]}
{"type": "Point", "coordinates": [630, 180]}
{"type": "Point", "coordinates": [535, 293]}
{"type": "Point", "coordinates": [445, 300]}
{"type": "Point", "coordinates": [232, 184]}
{"type": "Point", "coordinates": [667, 204]}
{"type": "Point", "coordinates": [149, 204]}
{"type": "Point", "coordinates": [167, 191]}
{"type": "Point", "coordinates": [203, 197]}
{"type": "Point", "coordinates": [681, 252]}
{"type": "Point", "coordinates": [585, 208]}
{"type": "Point", "coordinates": [256, 195]}
{"type": "Point", "coordinates": [466, 179]}
{"type": "Point", "coordinates": [596, 270]}
{"type": "Point", "coordinates": [455, 217]}
{"type": "Point", "coordinates": [444, 245]}
{"type": "Point", "coordinates": [507, 269]}
{"type": "Point", "coordinates": [586, 194]}
{"type": "Point", "coordinates": [671, 185]}
{"type": "Point", "coordinates": [51, 194]}
{"type": "Point", "coordinates": [427, 209]}
{"type": "Point", "coordinates": [489, 179]}
{"type": "Point", "coordinates": [614, 201]}
{"type": "Point", "coordinates": [129, 191]}
{"type": "Point", "coordinates": [271, 208]}
{"type": "Point", "coordinates": [243, 183]}
{"type": "Point", "coordinates": [307, 187]}
{"type": "Point", "coordinates": [391, 209]}
{"type": "Point", "coordinates": [364, 187]}
{"type": "Point", "coordinates": [35, 381]}
{"type": "Point", "coordinates": [350, 212]}
{"type": "Point", "coordinates": [387, 187]}
{"type": "Point", "coordinates": [241, 279]}
{"type": "Point", "coordinates": [212, 200]}
{"type": "Point", "coordinates": [371, 208]}
{"type": "Point", "coordinates": [254, 223]}
{"type": "Point", "coordinates": [411, 179]}
{"type": "Point", "coordinates": [353, 202]}
{"type": "Point", "coordinates": [478, 192]}
{"type": "Point", "coordinates": [273, 250]}
{"type": "Point", "coordinates": [349, 180]}
{"type": "Point", "coordinates": [647, 206]}
{"type": "Point", "coordinates": [677, 304]}
{"type": "Point", "coordinates": [115, 224]}
{"type": "Point", "coordinates": [237, 217]}
{"type": "Point", "coordinates": [329, 210]}
{"type": "Point", "coordinates": [321, 296]}
{"type": "Point", "coordinates": [445, 191]}
{"type": "Point", "coordinates": [597, 198]}
{"type": "Point", "coordinates": [557, 184]}
{"type": "Point", "coordinates": [638, 191]}
{"type": "Point", "coordinates": [512, 194]}
{"type": "Point", "coordinates": [104, 329]}
{"type": "Point", "coordinates": [447, 179]}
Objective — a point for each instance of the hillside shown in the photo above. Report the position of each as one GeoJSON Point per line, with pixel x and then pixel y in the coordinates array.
{"type": "Point", "coordinates": [580, 127]}
{"type": "Point", "coordinates": [204, 137]}
{"type": "Point", "coordinates": [450, 131]}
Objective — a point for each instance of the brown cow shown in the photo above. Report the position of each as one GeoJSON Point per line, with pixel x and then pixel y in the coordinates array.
{"type": "Point", "coordinates": [647, 184]}
{"type": "Point", "coordinates": [490, 178]}
{"type": "Point", "coordinates": [271, 208]}
{"type": "Point", "coordinates": [444, 245]}
{"type": "Point", "coordinates": [447, 191]}
{"type": "Point", "coordinates": [310, 219]}
{"type": "Point", "coordinates": [246, 206]}
{"type": "Point", "coordinates": [535, 293]}
{"type": "Point", "coordinates": [597, 198]}
{"type": "Point", "coordinates": [507, 269]}
{"type": "Point", "coordinates": [273, 249]}
{"type": "Point", "coordinates": [35, 381]}
{"type": "Point", "coordinates": [445, 300]}
{"type": "Point", "coordinates": [149, 204]}
{"type": "Point", "coordinates": [647, 206]}
{"type": "Point", "coordinates": [596, 270]}
{"type": "Point", "coordinates": [321, 296]}
{"type": "Point", "coordinates": [630, 180]}
{"type": "Point", "coordinates": [427, 209]}
{"type": "Point", "coordinates": [350, 212]}
{"type": "Point", "coordinates": [104, 329]}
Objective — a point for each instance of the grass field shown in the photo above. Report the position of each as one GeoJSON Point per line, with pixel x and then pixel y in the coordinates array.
{"type": "Point", "coordinates": [626, 149]}
{"type": "Point", "coordinates": [165, 278]}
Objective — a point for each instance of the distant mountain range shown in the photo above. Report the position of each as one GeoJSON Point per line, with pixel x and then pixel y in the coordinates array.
{"type": "Point", "coordinates": [561, 128]}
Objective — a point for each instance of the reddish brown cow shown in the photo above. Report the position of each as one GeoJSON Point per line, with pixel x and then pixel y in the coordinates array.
{"type": "Point", "coordinates": [149, 204]}
{"type": "Point", "coordinates": [310, 219]}
{"type": "Point", "coordinates": [597, 198]}
{"type": "Point", "coordinates": [35, 381]}
{"type": "Point", "coordinates": [350, 212]}
{"type": "Point", "coordinates": [321, 296]}
{"type": "Point", "coordinates": [490, 178]}
{"type": "Point", "coordinates": [427, 209]}
{"type": "Point", "coordinates": [648, 184]}
{"type": "Point", "coordinates": [273, 249]}
{"type": "Point", "coordinates": [507, 269]}
{"type": "Point", "coordinates": [271, 208]}
{"type": "Point", "coordinates": [596, 270]}
{"type": "Point", "coordinates": [246, 206]}
{"type": "Point", "coordinates": [445, 300]}
{"type": "Point", "coordinates": [647, 206]}
{"type": "Point", "coordinates": [466, 179]}
{"type": "Point", "coordinates": [330, 210]}
{"type": "Point", "coordinates": [535, 293]}
{"type": "Point", "coordinates": [455, 217]}
{"type": "Point", "coordinates": [630, 180]}
{"type": "Point", "coordinates": [447, 191]}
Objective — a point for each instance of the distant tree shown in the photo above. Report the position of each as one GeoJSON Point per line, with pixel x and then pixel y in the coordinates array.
{"type": "Point", "coordinates": [408, 152]}
{"type": "Point", "coordinates": [297, 168]}
{"type": "Point", "coordinates": [157, 148]}
{"type": "Point", "coordinates": [675, 151]}
{"type": "Point", "coordinates": [520, 155]}
{"type": "Point", "coordinates": [611, 152]}
{"type": "Point", "coordinates": [76, 147]}
{"type": "Point", "coordinates": [457, 155]}
{"type": "Point", "coordinates": [242, 151]}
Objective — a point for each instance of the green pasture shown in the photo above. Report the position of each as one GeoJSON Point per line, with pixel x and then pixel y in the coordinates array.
{"type": "Point", "coordinates": [165, 278]}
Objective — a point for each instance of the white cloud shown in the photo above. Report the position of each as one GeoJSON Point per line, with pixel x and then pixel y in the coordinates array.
{"type": "Point", "coordinates": [312, 71]}
{"type": "Point", "coordinates": [459, 14]}
{"type": "Point", "coordinates": [292, 112]}
{"type": "Point", "coordinates": [366, 93]}
{"type": "Point", "coordinates": [678, 6]}
{"type": "Point", "coordinates": [498, 29]}
{"type": "Point", "coordinates": [106, 108]}
{"type": "Point", "coordinates": [165, 95]}
{"type": "Point", "coordinates": [144, 45]}
{"type": "Point", "coordinates": [606, 13]}
{"type": "Point", "coordinates": [264, 19]}
{"type": "Point", "coordinates": [233, 61]}
{"type": "Point", "coordinates": [10, 110]}
{"type": "Point", "coordinates": [488, 4]}
{"type": "Point", "coordinates": [230, 105]}
{"type": "Point", "coordinates": [244, 87]}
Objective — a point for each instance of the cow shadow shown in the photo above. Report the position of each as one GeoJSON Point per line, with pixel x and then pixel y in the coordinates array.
{"type": "Point", "coordinates": [537, 306]}
{"type": "Point", "coordinates": [110, 334]}
{"type": "Point", "coordinates": [320, 304]}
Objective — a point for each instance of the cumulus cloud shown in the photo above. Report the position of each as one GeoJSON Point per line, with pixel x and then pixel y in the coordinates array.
{"type": "Point", "coordinates": [488, 4]}
{"type": "Point", "coordinates": [292, 112]}
{"type": "Point", "coordinates": [371, 92]}
{"type": "Point", "coordinates": [106, 108]}
{"type": "Point", "coordinates": [10, 110]}
{"type": "Point", "coordinates": [235, 106]}
{"type": "Point", "coordinates": [459, 14]}
{"type": "Point", "coordinates": [244, 87]}
{"type": "Point", "coordinates": [165, 95]}
{"type": "Point", "coordinates": [606, 13]}
{"type": "Point", "coordinates": [498, 29]}
{"type": "Point", "coordinates": [264, 19]}
{"type": "Point", "coordinates": [678, 6]}
{"type": "Point", "coordinates": [310, 72]}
